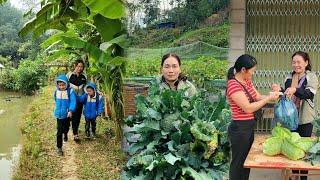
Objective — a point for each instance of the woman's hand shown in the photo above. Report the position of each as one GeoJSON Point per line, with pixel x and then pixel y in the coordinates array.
{"type": "Point", "coordinates": [290, 92]}
{"type": "Point", "coordinates": [69, 114]}
{"type": "Point", "coordinates": [274, 95]}
{"type": "Point", "coordinates": [275, 87]}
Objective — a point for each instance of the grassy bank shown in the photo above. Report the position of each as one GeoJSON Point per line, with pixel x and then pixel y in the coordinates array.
{"type": "Point", "coordinates": [100, 158]}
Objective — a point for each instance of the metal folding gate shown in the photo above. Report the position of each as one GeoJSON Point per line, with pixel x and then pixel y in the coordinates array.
{"type": "Point", "coordinates": [275, 29]}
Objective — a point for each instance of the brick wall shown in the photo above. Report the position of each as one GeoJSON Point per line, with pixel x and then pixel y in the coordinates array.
{"type": "Point", "coordinates": [129, 92]}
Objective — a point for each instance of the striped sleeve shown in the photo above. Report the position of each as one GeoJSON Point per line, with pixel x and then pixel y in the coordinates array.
{"type": "Point", "coordinates": [233, 87]}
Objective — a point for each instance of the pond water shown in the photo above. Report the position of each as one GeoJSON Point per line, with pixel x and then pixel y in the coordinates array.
{"type": "Point", "coordinates": [12, 108]}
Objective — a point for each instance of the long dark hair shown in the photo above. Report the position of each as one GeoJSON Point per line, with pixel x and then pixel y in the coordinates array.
{"type": "Point", "coordinates": [305, 57]}
{"type": "Point", "coordinates": [166, 56]}
{"type": "Point", "coordinates": [244, 61]}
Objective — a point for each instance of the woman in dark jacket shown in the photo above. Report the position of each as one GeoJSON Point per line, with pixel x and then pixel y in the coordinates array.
{"type": "Point", "coordinates": [77, 80]}
{"type": "Point", "coordinates": [301, 85]}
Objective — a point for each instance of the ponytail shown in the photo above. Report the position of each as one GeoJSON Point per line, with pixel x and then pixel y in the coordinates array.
{"type": "Point", "coordinates": [244, 61]}
{"type": "Point", "coordinates": [230, 73]}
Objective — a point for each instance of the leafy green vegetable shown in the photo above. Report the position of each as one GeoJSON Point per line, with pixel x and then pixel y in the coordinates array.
{"type": "Point", "coordinates": [203, 130]}
{"type": "Point", "coordinates": [295, 137]}
{"type": "Point", "coordinates": [177, 137]}
{"type": "Point", "coordinates": [305, 143]}
{"type": "Point", "coordinates": [289, 144]}
{"type": "Point", "coordinates": [272, 146]}
{"type": "Point", "coordinates": [313, 155]}
{"type": "Point", "coordinates": [291, 150]}
{"type": "Point", "coordinates": [280, 132]}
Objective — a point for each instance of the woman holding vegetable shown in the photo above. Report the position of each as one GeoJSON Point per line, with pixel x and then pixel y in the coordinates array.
{"type": "Point", "coordinates": [171, 77]}
{"type": "Point", "coordinates": [301, 86]}
{"type": "Point", "coordinates": [244, 100]}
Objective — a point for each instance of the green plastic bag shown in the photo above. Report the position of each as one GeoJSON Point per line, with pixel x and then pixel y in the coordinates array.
{"type": "Point", "coordinates": [272, 146]}
{"type": "Point", "coordinates": [291, 150]}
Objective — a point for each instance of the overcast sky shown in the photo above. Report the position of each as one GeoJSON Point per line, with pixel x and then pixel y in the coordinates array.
{"type": "Point", "coordinates": [17, 4]}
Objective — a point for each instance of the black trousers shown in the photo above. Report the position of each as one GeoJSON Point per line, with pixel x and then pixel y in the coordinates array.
{"type": "Point", "coordinates": [76, 116]}
{"type": "Point", "coordinates": [61, 129]}
{"type": "Point", "coordinates": [67, 125]}
{"type": "Point", "coordinates": [304, 130]}
{"type": "Point", "coordinates": [241, 136]}
{"type": "Point", "coordinates": [91, 123]}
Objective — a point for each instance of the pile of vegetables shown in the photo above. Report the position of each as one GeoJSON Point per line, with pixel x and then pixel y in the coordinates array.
{"type": "Point", "coordinates": [313, 154]}
{"type": "Point", "coordinates": [287, 143]}
{"type": "Point", "coordinates": [177, 137]}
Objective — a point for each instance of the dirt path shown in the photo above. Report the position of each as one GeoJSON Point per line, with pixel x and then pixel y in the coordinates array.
{"type": "Point", "coordinates": [69, 166]}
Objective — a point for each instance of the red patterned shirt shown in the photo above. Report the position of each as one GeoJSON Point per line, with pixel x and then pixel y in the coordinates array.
{"type": "Point", "coordinates": [233, 86]}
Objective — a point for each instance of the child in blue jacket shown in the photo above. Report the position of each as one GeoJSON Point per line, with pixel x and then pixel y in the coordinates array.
{"type": "Point", "coordinates": [65, 105]}
{"type": "Point", "coordinates": [93, 107]}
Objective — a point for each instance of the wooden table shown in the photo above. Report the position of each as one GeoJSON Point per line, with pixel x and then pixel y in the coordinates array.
{"type": "Point", "coordinates": [256, 159]}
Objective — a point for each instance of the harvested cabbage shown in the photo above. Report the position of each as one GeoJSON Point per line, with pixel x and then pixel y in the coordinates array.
{"type": "Point", "coordinates": [272, 146]}
{"type": "Point", "coordinates": [291, 150]}
{"type": "Point", "coordinates": [295, 137]}
{"type": "Point", "coordinates": [305, 143]}
{"type": "Point", "coordinates": [281, 132]}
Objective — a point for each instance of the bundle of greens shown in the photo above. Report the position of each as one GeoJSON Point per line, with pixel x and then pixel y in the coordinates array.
{"type": "Point", "coordinates": [313, 154]}
{"type": "Point", "coordinates": [177, 137]}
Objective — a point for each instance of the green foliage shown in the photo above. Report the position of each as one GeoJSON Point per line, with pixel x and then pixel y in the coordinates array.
{"type": "Point", "coordinates": [12, 47]}
{"type": "Point", "coordinates": [192, 12]}
{"type": "Point", "coordinates": [7, 79]}
{"type": "Point", "coordinates": [154, 38]}
{"type": "Point", "coordinates": [5, 62]}
{"type": "Point", "coordinates": [27, 78]}
{"type": "Point", "coordinates": [159, 38]}
{"type": "Point", "coordinates": [10, 22]}
{"type": "Point", "coordinates": [177, 137]}
{"type": "Point", "coordinates": [215, 35]}
{"type": "Point", "coordinates": [189, 13]}
{"type": "Point", "coordinates": [313, 155]}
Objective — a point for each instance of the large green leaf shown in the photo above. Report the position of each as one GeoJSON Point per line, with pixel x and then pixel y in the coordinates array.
{"type": "Point", "coordinates": [58, 23]}
{"type": "Point", "coordinates": [96, 55]}
{"type": "Point", "coordinates": [118, 40]}
{"type": "Point", "coordinates": [196, 175]}
{"type": "Point", "coordinates": [46, 8]}
{"type": "Point", "coordinates": [107, 28]}
{"type": "Point", "coordinates": [56, 37]}
{"type": "Point", "coordinates": [57, 54]}
{"type": "Point", "coordinates": [113, 9]}
{"type": "Point", "coordinates": [49, 18]}
{"type": "Point", "coordinates": [171, 159]}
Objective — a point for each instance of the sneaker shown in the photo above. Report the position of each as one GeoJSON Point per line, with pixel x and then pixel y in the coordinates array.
{"type": "Point", "coordinates": [76, 138]}
{"type": "Point", "coordinates": [65, 138]}
{"type": "Point", "coordinates": [59, 152]}
{"type": "Point", "coordinates": [94, 135]}
{"type": "Point", "coordinates": [87, 134]}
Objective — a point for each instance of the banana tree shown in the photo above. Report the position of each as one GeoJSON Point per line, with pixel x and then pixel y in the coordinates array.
{"type": "Point", "coordinates": [86, 25]}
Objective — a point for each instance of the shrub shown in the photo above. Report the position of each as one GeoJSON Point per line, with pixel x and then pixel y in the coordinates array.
{"type": "Point", "coordinates": [29, 76]}
{"type": "Point", "coordinates": [7, 79]}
